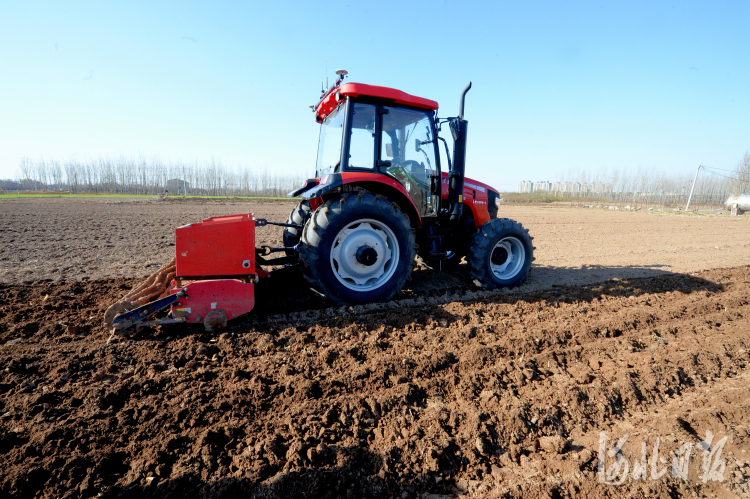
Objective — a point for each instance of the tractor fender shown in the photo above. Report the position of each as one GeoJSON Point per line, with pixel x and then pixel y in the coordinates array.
{"type": "Point", "coordinates": [373, 182]}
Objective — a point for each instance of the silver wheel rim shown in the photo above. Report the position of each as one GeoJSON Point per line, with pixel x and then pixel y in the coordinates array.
{"type": "Point", "coordinates": [357, 276]}
{"type": "Point", "coordinates": [507, 258]}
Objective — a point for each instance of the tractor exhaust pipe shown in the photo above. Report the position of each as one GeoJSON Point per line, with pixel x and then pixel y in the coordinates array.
{"type": "Point", "coordinates": [459, 129]}
{"type": "Point", "coordinates": [463, 98]}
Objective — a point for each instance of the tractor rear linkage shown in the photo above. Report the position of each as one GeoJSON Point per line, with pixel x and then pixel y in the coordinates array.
{"type": "Point", "coordinates": [262, 251]}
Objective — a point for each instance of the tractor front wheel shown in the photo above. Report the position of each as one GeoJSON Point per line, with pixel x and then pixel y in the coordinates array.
{"type": "Point", "coordinates": [500, 254]}
{"type": "Point", "coordinates": [357, 248]}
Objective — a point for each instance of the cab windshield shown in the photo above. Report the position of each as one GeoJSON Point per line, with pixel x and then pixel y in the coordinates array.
{"type": "Point", "coordinates": [329, 143]}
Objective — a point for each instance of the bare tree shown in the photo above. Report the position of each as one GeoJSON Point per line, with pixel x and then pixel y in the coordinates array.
{"type": "Point", "coordinates": [615, 178]}
{"type": "Point", "coordinates": [72, 174]}
{"type": "Point", "coordinates": [41, 173]}
{"type": "Point", "coordinates": [742, 175]}
{"type": "Point", "coordinates": [27, 167]}
{"type": "Point", "coordinates": [57, 174]}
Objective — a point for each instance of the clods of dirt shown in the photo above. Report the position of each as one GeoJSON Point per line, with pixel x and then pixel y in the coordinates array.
{"type": "Point", "coordinates": [481, 394]}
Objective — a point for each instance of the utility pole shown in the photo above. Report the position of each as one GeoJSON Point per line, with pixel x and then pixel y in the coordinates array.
{"type": "Point", "coordinates": [693, 187]}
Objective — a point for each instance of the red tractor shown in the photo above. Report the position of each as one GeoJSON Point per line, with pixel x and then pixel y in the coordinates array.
{"type": "Point", "coordinates": [378, 200]}
{"type": "Point", "coordinates": [380, 196]}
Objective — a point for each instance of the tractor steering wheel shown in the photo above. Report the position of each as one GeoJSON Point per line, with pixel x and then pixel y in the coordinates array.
{"type": "Point", "coordinates": [416, 170]}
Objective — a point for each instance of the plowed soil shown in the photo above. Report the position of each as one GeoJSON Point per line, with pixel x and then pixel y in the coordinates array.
{"type": "Point", "coordinates": [629, 325]}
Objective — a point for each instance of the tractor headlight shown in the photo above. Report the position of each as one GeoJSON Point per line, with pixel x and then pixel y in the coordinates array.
{"type": "Point", "coordinates": [493, 206]}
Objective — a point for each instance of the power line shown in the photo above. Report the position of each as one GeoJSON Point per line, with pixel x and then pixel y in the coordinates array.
{"type": "Point", "coordinates": [709, 170]}
{"type": "Point", "coordinates": [714, 168]}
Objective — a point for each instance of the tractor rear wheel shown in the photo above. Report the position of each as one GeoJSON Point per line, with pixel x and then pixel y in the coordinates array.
{"type": "Point", "coordinates": [357, 248]}
{"type": "Point", "coordinates": [299, 216]}
{"type": "Point", "coordinates": [500, 254]}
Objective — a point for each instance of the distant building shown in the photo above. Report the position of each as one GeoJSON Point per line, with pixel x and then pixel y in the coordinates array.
{"type": "Point", "coordinates": [177, 186]}
{"type": "Point", "coordinates": [525, 186]}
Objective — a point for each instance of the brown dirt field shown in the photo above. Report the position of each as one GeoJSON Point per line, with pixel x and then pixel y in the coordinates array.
{"type": "Point", "coordinates": [100, 238]}
{"type": "Point", "coordinates": [629, 324]}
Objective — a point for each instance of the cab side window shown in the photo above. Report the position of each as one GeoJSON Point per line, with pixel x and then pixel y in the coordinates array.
{"type": "Point", "coordinates": [362, 137]}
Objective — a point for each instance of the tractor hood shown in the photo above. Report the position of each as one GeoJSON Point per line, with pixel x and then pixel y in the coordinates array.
{"type": "Point", "coordinates": [469, 184]}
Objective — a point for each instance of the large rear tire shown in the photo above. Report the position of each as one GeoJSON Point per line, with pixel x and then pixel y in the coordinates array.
{"type": "Point", "coordinates": [357, 248]}
{"type": "Point", "coordinates": [500, 254]}
{"type": "Point", "coordinates": [299, 216]}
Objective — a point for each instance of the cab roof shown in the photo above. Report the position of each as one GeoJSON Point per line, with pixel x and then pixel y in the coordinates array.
{"type": "Point", "coordinates": [336, 95]}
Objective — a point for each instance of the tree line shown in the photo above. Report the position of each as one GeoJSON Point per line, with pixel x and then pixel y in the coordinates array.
{"type": "Point", "coordinates": [650, 187]}
{"type": "Point", "coordinates": [139, 175]}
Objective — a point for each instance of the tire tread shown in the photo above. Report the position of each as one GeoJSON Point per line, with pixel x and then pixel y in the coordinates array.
{"type": "Point", "coordinates": [481, 244]}
{"type": "Point", "coordinates": [323, 220]}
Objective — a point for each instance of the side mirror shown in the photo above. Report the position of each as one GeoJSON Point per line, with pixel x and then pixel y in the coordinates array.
{"type": "Point", "coordinates": [389, 150]}
{"type": "Point", "coordinates": [417, 145]}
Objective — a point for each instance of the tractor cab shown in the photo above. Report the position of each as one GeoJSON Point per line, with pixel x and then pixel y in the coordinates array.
{"type": "Point", "coordinates": [385, 141]}
{"type": "Point", "coordinates": [368, 129]}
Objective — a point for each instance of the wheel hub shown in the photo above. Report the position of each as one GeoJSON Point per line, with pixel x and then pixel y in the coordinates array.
{"type": "Point", "coordinates": [499, 255]}
{"type": "Point", "coordinates": [507, 258]}
{"type": "Point", "coordinates": [364, 255]}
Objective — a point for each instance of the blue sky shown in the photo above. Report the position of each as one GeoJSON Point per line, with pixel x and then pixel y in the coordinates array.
{"type": "Point", "coordinates": [557, 86]}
